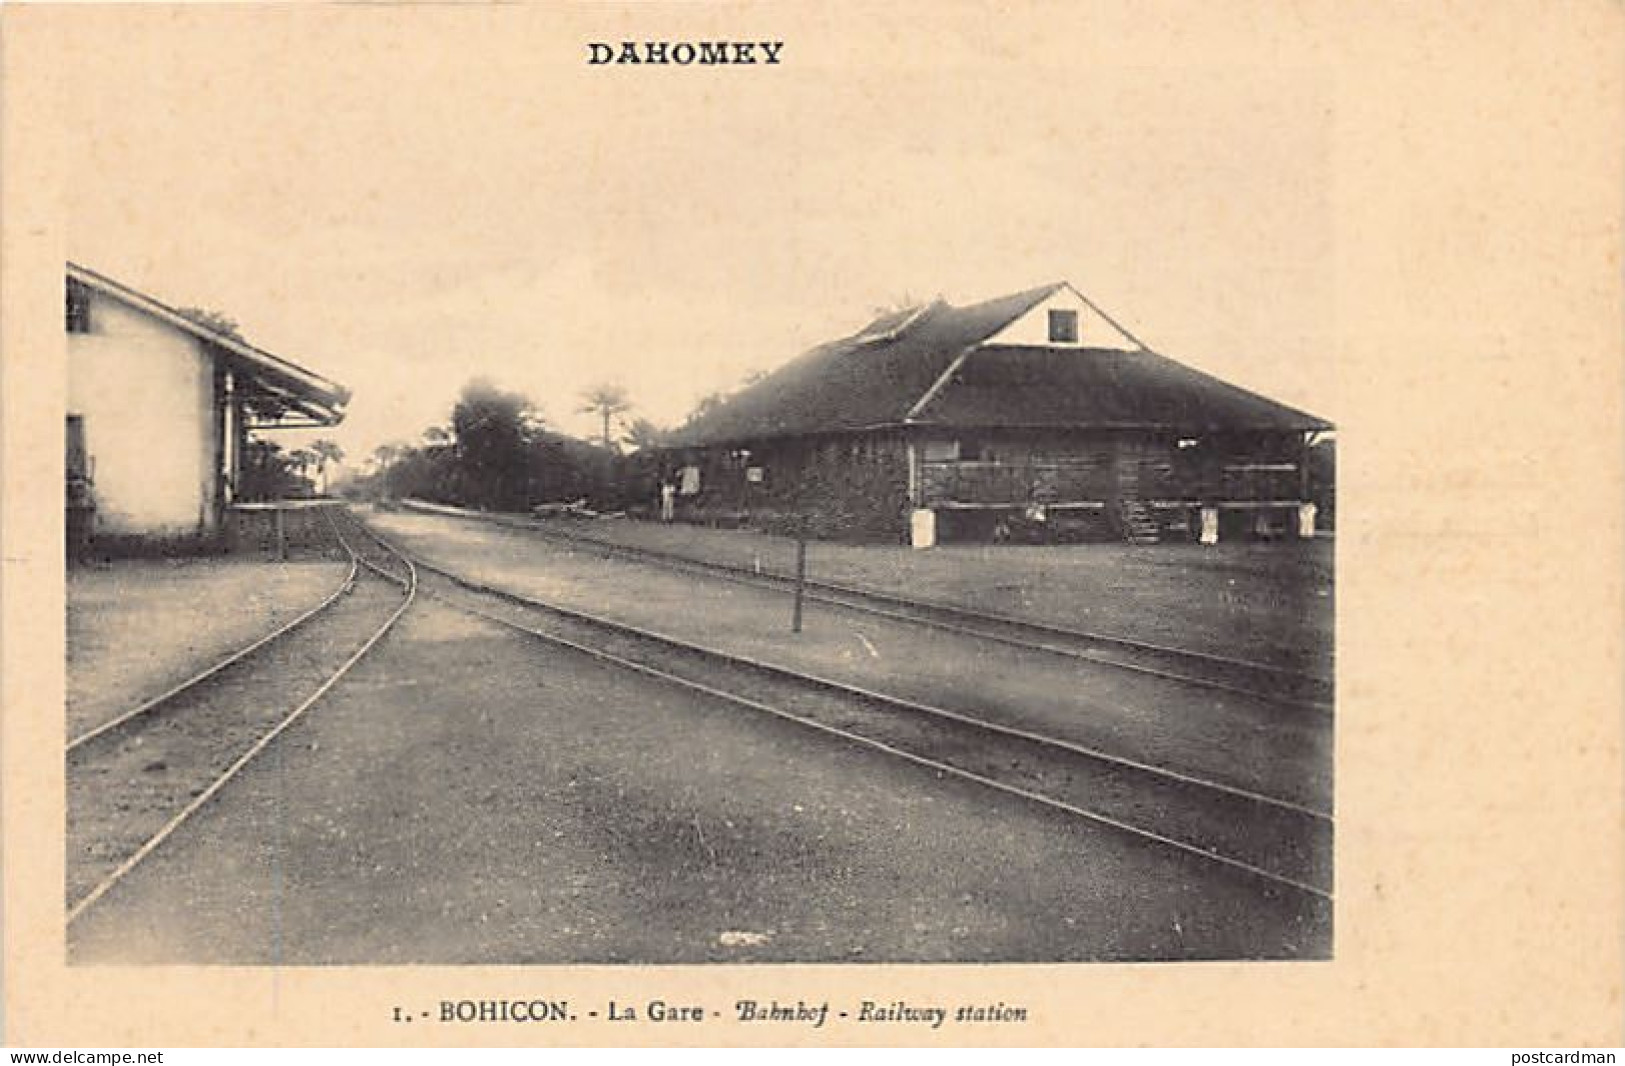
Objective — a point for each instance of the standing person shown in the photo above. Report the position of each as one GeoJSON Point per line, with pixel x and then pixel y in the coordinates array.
{"type": "Point", "coordinates": [667, 492]}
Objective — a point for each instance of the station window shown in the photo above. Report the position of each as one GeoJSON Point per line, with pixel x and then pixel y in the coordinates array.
{"type": "Point", "coordinates": [78, 308]}
{"type": "Point", "coordinates": [977, 450]}
{"type": "Point", "coordinates": [1063, 327]}
{"type": "Point", "coordinates": [78, 461]}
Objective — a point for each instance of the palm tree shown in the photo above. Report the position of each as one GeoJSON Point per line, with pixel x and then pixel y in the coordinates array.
{"type": "Point", "coordinates": [606, 401]}
{"type": "Point", "coordinates": [325, 452]}
{"type": "Point", "coordinates": [301, 460]}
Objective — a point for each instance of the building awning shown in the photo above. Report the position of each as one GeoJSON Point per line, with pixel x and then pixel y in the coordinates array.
{"type": "Point", "coordinates": [266, 381]}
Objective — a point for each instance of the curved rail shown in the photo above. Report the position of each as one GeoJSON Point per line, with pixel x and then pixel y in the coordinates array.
{"type": "Point", "coordinates": [171, 694]}
{"type": "Point", "coordinates": [1309, 815]}
{"type": "Point", "coordinates": [168, 829]}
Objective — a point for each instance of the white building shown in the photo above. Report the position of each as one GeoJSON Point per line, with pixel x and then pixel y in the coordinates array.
{"type": "Point", "coordinates": [159, 408]}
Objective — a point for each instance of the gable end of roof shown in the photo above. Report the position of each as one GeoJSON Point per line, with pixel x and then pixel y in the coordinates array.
{"type": "Point", "coordinates": [330, 396]}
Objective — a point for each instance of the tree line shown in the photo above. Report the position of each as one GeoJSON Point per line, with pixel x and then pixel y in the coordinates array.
{"type": "Point", "coordinates": [497, 453]}
{"type": "Point", "coordinates": [269, 472]}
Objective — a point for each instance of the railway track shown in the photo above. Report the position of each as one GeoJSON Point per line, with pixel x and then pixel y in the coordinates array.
{"type": "Point", "coordinates": [133, 781]}
{"type": "Point", "coordinates": [1284, 845]}
{"type": "Point", "coordinates": [1254, 680]}
{"type": "Point", "coordinates": [137, 779]}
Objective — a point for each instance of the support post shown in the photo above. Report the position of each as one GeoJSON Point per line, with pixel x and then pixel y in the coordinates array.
{"type": "Point", "coordinates": [801, 581]}
{"type": "Point", "coordinates": [228, 440]}
{"type": "Point", "coordinates": [922, 528]}
{"type": "Point", "coordinates": [1210, 525]}
{"type": "Point", "coordinates": [281, 533]}
{"type": "Point", "coordinates": [1303, 466]}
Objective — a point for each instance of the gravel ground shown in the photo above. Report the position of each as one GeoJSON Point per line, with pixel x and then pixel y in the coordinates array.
{"type": "Point", "coordinates": [1271, 602]}
{"type": "Point", "coordinates": [1219, 737]}
{"type": "Point", "coordinates": [516, 805]}
{"type": "Point", "coordinates": [138, 627]}
{"type": "Point", "coordinates": [1285, 842]}
{"type": "Point", "coordinates": [123, 786]}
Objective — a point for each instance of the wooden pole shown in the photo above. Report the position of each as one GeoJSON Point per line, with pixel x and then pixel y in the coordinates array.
{"type": "Point", "coordinates": [281, 534]}
{"type": "Point", "coordinates": [1303, 467]}
{"type": "Point", "coordinates": [801, 580]}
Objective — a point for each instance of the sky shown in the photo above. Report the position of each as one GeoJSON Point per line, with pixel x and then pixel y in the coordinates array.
{"type": "Point", "coordinates": [406, 198]}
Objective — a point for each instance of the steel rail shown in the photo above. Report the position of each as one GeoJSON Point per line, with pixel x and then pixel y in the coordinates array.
{"type": "Point", "coordinates": [971, 622]}
{"type": "Point", "coordinates": [891, 749]}
{"type": "Point", "coordinates": [198, 802]}
{"type": "Point", "coordinates": [873, 697]}
{"type": "Point", "coordinates": [858, 691]}
{"type": "Point", "coordinates": [235, 657]}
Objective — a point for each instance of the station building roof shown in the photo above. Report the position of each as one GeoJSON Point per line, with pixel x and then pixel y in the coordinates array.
{"type": "Point", "coordinates": [282, 382]}
{"type": "Point", "coordinates": [940, 365]}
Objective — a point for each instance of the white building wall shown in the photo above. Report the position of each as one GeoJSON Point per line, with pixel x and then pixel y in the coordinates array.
{"type": "Point", "coordinates": [146, 392]}
{"type": "Point", "coordinates": [1094, 331]}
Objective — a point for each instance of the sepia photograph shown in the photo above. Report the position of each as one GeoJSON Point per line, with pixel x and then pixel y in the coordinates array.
{"type": "Point", "coordinates": [484, 548]}
{"type": "Point", "coordinates": [881, 657]}
{"type": "Point", "coordinates": [724, 515]}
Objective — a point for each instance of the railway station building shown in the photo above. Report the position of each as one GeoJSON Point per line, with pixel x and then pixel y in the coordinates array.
{"type": "Point", "coordinates": [1033, 416]}
{"type": "Point", "coordinates": [159, 412]}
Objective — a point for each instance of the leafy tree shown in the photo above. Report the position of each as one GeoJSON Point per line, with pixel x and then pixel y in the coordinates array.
{"type": "Point", "coordinates": [564, 469]}
{"type": "Point", "coordinates": [497, 453]}
{"type": "Point", "coordinates": [325, 452]}
{"type": "Point", "coordinates": [301, 460]}
{"type": "Point", "coordinates": [643, 434]}
{"type": "Point", "coordinates": [261, 407]}
{"type": "Point", "coordinates": [606, 401]}
{"type": "Point", "coordinates": [706, 404]}
{"type": "Point", "coordinates": [269, 473]}
{"type": "Point", "coordinates": [215, 320]}
{"type": "Point", "coordinates": [491, 429]}
{"type": "Point", "coordinates": [386, 455]}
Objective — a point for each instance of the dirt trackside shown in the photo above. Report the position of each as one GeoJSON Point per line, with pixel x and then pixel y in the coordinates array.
{"type": "Point", "coordinates": [1270, 602]}
{"type": "Point", "coordinates": [138, 626]}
